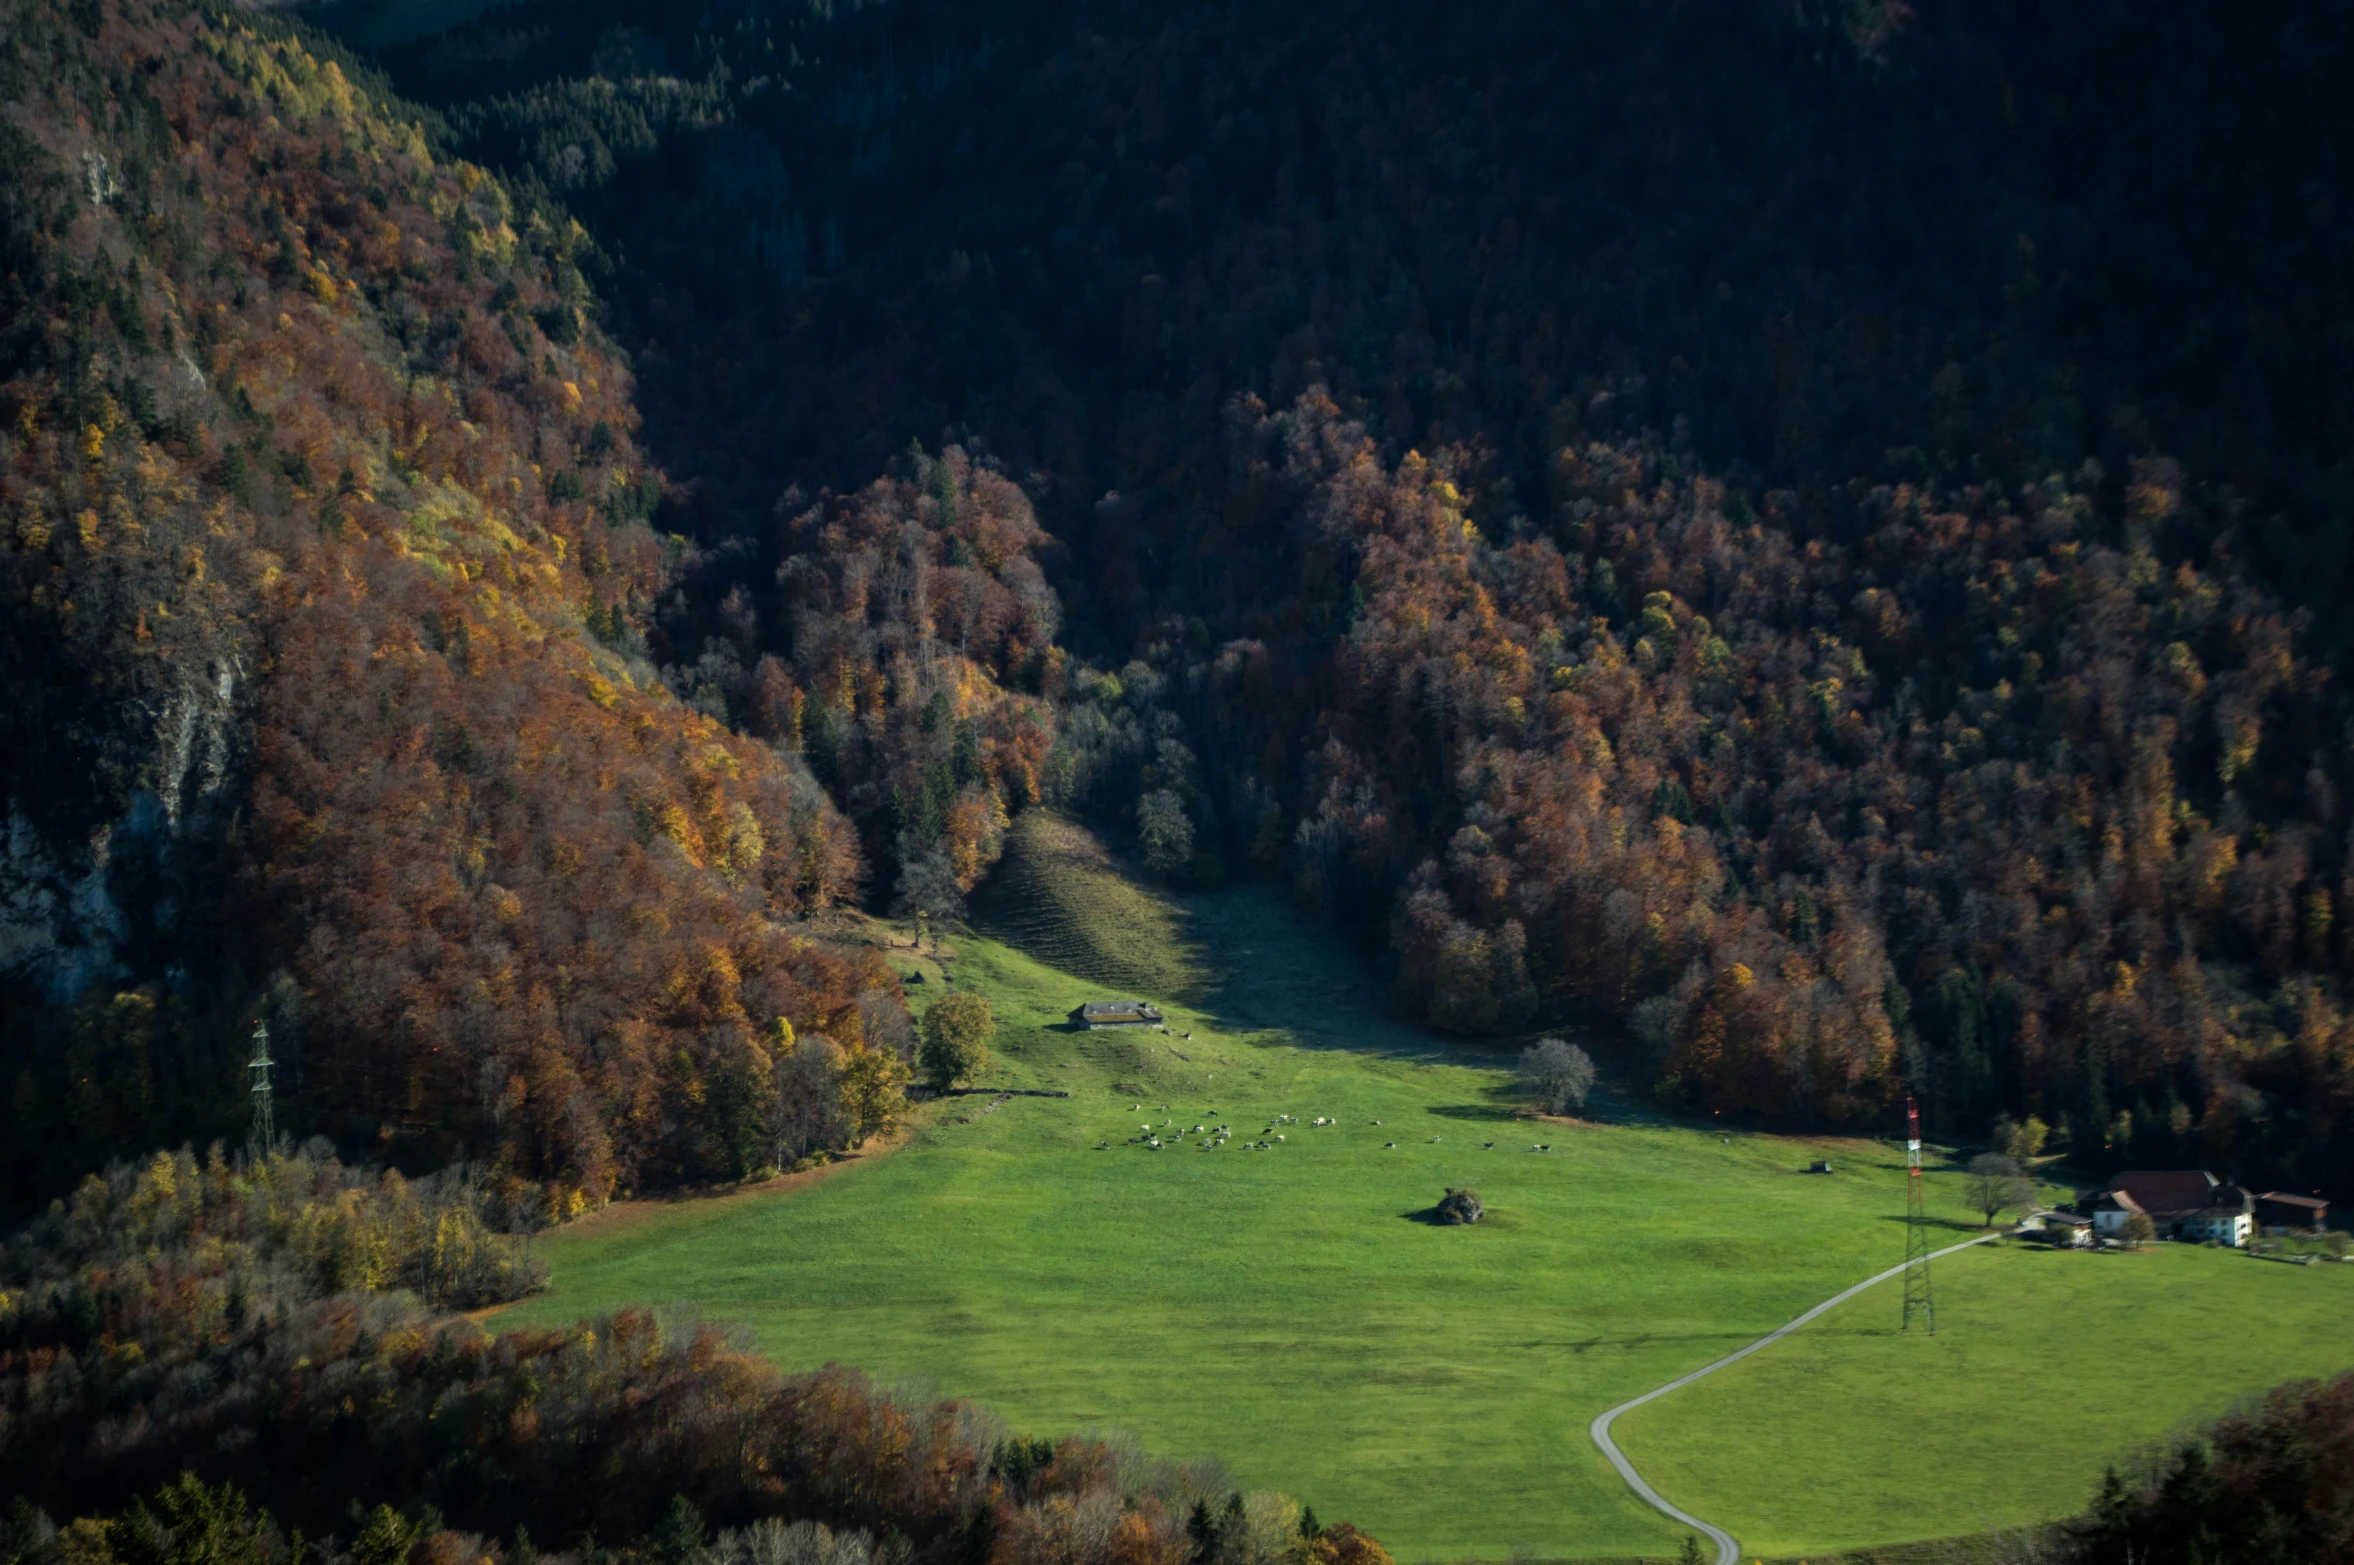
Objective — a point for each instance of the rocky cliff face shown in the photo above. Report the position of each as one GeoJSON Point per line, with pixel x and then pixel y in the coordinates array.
{"type": "Point", "coordinates": [95, 880]}
{"type": "Point", "coordinates": [128, 637]}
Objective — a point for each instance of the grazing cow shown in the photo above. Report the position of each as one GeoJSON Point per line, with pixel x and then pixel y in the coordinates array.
{"type": "Point", "coordinates": [1387, 1146]}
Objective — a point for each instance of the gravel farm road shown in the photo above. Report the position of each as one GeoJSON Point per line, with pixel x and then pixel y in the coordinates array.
{"type": "Point", "coordinates": [1728, 1552]}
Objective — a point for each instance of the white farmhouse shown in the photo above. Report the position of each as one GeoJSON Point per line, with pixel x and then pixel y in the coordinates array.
{"type": "Point", "coordinates": [2186, 1204]}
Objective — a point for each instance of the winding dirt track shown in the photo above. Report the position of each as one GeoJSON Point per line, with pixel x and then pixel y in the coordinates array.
{"type": "Point", "coordinates": [1728, 1552]}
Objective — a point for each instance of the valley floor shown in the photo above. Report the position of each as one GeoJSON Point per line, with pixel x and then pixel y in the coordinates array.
{"type": "Point", "coordinates": [1289, 1309]}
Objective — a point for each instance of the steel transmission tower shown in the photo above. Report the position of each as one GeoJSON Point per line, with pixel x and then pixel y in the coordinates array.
{"type": "Point", "coordinates": [1918, 1301]}
{"type": "Point", "coordinates": [265, 1124]}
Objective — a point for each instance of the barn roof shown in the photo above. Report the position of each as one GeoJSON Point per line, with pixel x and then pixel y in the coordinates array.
{"type": "Point", "coordinates": [2169, 1191]}
{"type": "Point", "coordinates": [2178, 1191]}
{"type": "Point", "coordinates": [1106, 1010]}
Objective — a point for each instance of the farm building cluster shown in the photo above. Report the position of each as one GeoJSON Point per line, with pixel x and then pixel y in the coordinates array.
{"type": "Point", "coordinates": [2188, 1205]}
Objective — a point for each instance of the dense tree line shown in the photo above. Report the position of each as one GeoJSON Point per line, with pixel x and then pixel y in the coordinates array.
{"type": "Point", "coordinates": [1965, 793]}
{"type": "Point", "coordinates": [263, 1341]}
{"type": "Point", "coordinates": [1984, 240]}
{"type": "Point", "coordinates": [921, 634]}
{"type": "Point", "coordinates": [2268, 1482]}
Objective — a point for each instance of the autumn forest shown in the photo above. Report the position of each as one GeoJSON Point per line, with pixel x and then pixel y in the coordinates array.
{"type": "Point", "coordinates": [1810, 540]}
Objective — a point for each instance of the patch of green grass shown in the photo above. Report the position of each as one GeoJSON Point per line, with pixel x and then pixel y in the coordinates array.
{"type": "Point", "coordinates": [2046, 1366]}
{"type": "Point", "coordinates": [1059, 896]}
{"type": "Point", "coordinates": [1286, 1311]}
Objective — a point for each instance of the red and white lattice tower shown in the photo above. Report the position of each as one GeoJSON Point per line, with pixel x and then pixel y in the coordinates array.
{"type": "Point", "coordinates": [1918, 1301]}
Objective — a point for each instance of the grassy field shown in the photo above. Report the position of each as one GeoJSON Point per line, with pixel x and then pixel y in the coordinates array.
{"type": "Point", "coordinates": [1057, 896]}
{"type": "Point", "coordinates": [2044, 1365]}
{"type": "Point", "coordinates": [1287, 1310]}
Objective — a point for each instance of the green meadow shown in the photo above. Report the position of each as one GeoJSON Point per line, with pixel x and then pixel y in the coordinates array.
{"type": "Point", "coordinates": [1290, 1310]}
{"type": "Point", "coordinates": [2046, 1365]}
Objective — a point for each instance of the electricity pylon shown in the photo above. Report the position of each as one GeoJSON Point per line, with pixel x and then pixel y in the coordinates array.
{"type": "Point", "coordinates": [264, 1133]}
{"type": "Point", "coordinates": [1918, 1300]}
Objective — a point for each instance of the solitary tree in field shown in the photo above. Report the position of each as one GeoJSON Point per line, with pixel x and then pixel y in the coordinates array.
{"type": "Point", "coordinates": [1995, 1184]}
{"type": "Point", "coordinates": [1558, 1075]}
{"type": "Point", "coordinates": [1691, 1554]}
{"type": "Point", "coordinates": [957, 1030]}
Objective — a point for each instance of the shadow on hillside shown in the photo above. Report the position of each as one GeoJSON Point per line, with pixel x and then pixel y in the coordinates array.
{"type": "Point", "coordinates": [1066, 897]}
{"type": "Point", "coordinates": [1480, 1113]}
{"type": "Point", "coordinates": [1268, 966]}
{"type": "Point", "coordinates": [1244, 958]}
{"type": "Point", "coordinates": [1951, 1225]}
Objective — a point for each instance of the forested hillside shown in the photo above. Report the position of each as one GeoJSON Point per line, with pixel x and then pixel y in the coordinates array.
{"type": "Point", "coordinates": [327, 568]}
{"type": "Point", "coordinates": [1811, 537]}
{"type": "Point", "coordinates": [1786, 527]}
{"type": "Point", "coordinates": [1809, 533]}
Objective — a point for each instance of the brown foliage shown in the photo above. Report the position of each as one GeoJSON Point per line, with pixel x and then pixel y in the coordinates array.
{"type": "Point", "coordinates": [915, 614]}
{"type": "Point", "coordinates": [378, 558]}
{"type": "Point", "coordinates": [2272, 1482]}
{"type": "Point", "coordinates": [1752, 792]}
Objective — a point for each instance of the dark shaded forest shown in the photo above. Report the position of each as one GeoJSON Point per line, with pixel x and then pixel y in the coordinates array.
{"type": "Point", "coordinates": [1796, 529]}
{"type": "Point", "coordinates": [2267, 1482]}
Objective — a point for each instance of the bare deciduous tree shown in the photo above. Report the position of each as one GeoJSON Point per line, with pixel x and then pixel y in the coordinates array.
{"type": "Point", "coordinates": [1557, 1074]}
{"type": "Point", "coordinates": [1995, 1184]}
